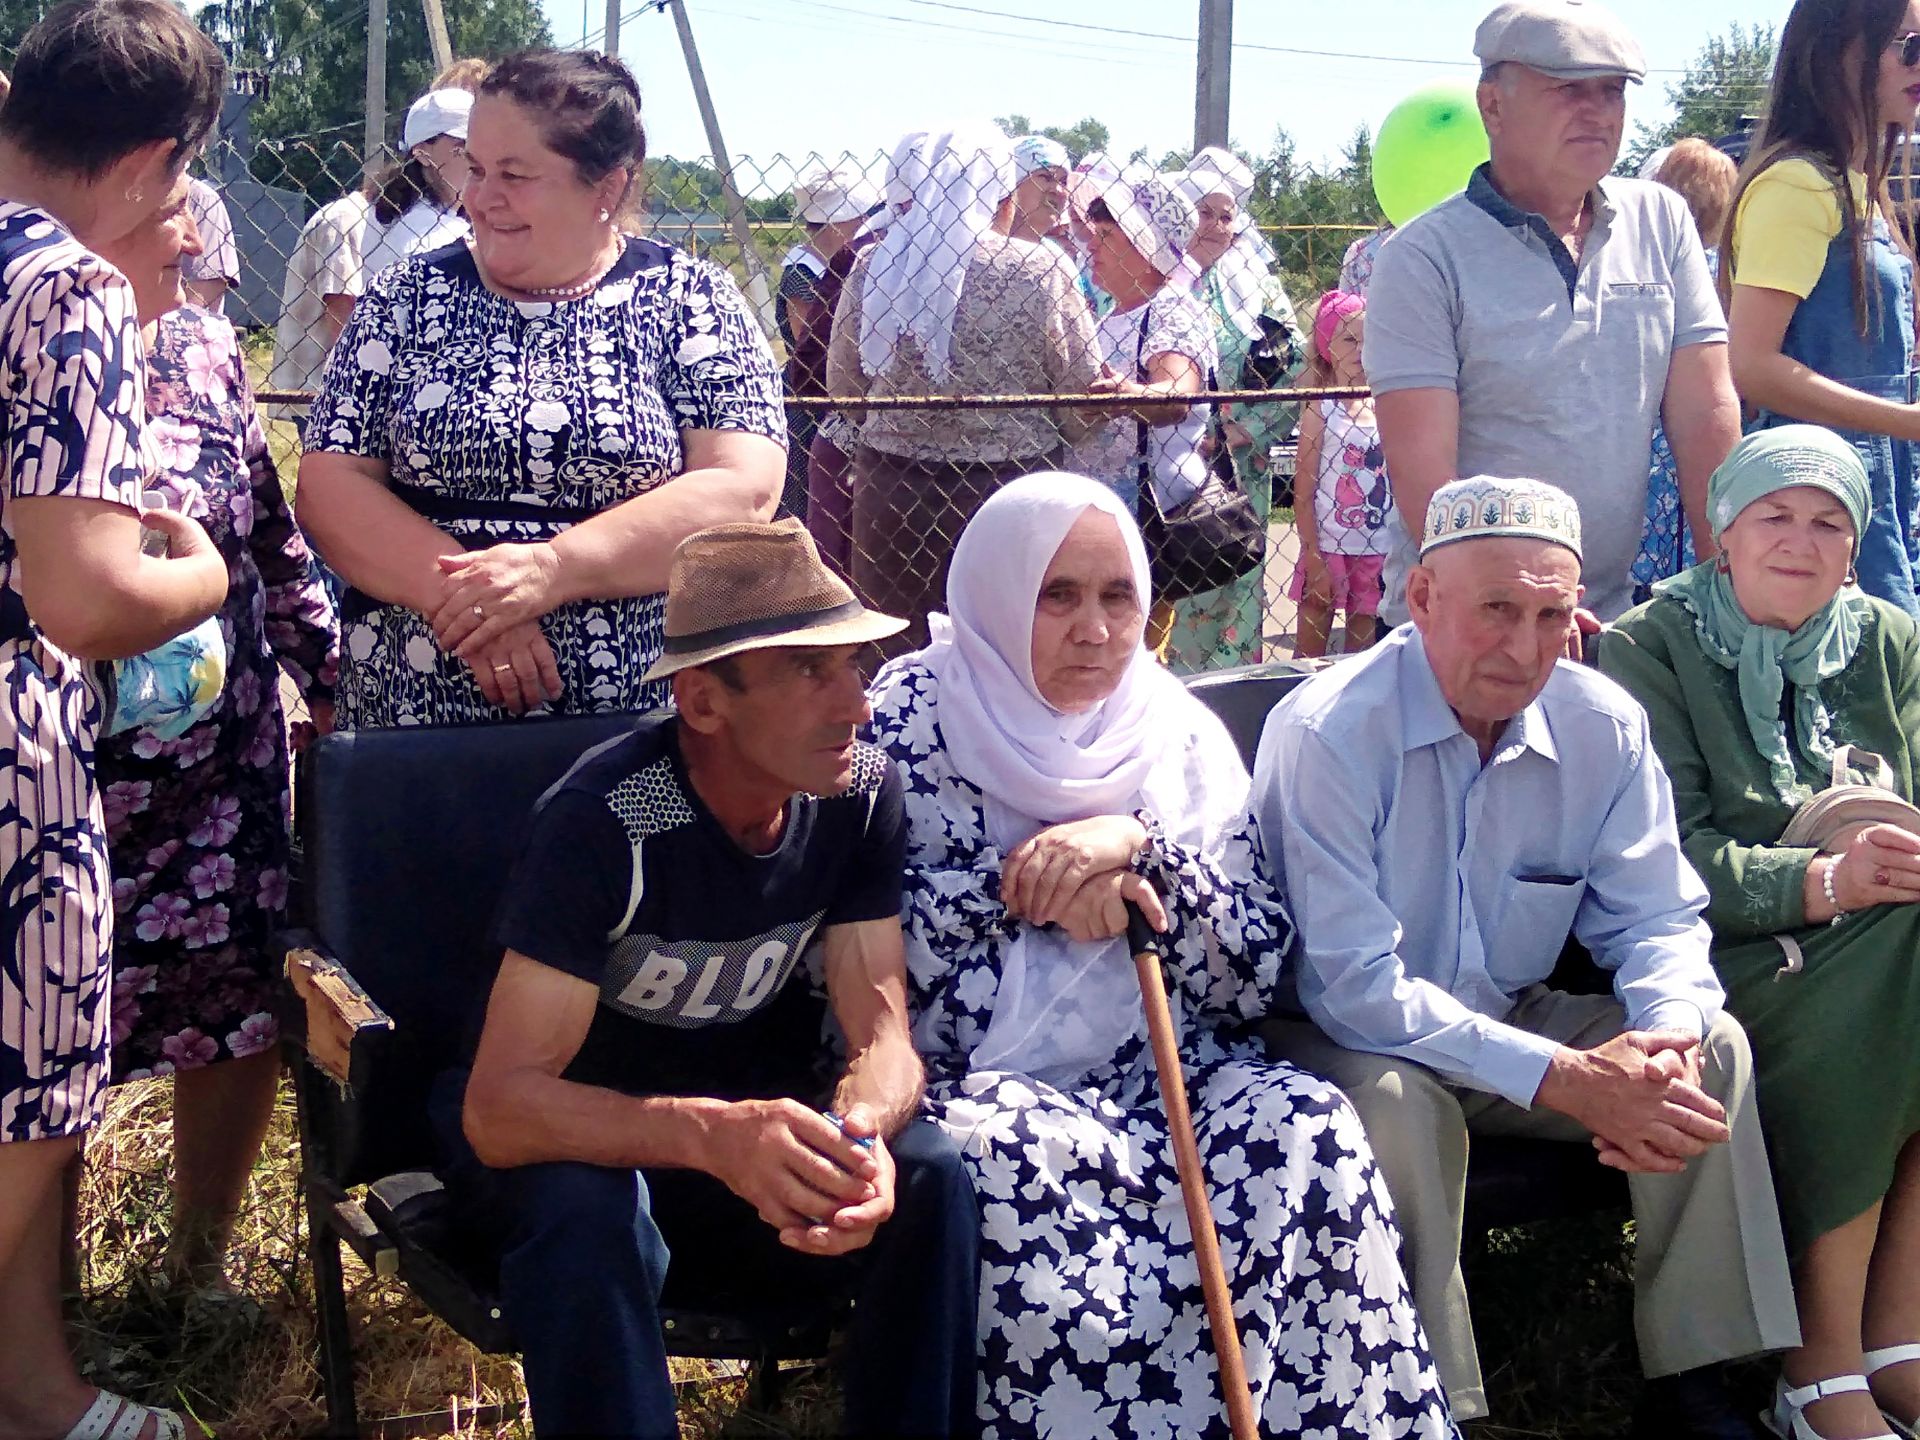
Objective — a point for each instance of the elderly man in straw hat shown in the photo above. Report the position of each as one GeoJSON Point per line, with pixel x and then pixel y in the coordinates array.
{"type": "Point", "coordinates": [1450, 809]}
{"type": "Point", "coordinates": [692, 901]}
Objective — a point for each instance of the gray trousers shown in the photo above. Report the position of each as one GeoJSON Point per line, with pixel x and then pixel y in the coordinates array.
{"type": "Point", "coordinates": [1711, 1281]}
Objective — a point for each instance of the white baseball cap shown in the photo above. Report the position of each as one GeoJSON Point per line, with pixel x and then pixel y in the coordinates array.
{"type": "Point", "coordinates": [437, 113]}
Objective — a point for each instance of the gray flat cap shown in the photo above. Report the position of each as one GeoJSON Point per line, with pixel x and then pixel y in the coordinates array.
{"type": "Point", "coordinates": [1567, 39]}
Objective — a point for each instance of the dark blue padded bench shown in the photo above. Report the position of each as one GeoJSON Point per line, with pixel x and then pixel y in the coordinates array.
{"type": "Point", "coordinates": [406, 837]}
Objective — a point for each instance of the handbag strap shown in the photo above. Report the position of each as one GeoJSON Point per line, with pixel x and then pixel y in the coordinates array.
{"type": "Point", "coordinates": [1216, 427]}
{"type": "Point", "coordinates": [1852, 757]}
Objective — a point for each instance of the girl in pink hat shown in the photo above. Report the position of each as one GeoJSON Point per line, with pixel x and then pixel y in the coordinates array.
{"type": "Point", "coordinates": [1341, 500]}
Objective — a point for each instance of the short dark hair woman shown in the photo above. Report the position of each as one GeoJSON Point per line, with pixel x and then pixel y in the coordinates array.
{"type": "Point", "coordinates": [110, 100]}
{"type": "Point", "coordinates": [514, 436]}
{"type": "Point", "coordinates": [1817, 282]}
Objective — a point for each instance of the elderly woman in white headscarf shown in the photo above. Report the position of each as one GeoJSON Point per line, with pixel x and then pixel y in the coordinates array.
{"type": "Point", "coordinates": [1157, 340]}
{"type": "Point", "coordinates": [1054, 773]}
{"type": "Point", "coordinates": [1230, 266]}
{"type": "Point", "coordinates": [1040, 166]}
{"type": "Point", "coordinates": [947, 303]}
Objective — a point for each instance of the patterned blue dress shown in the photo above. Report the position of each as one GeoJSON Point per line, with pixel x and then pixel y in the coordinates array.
{"type": "Point", "coordinates": [75, 403]}
{"type": "Point", "coordinates": [507, 421]}
{"type": "Point", "coordinates": [1092, 1319]}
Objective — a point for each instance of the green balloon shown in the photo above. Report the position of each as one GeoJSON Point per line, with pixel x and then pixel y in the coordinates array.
{"type": "Point", "coordinates": [1427, 149]}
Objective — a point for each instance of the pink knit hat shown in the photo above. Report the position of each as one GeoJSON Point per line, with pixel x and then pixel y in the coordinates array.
{"type": "Point", "coordinates": [1335, 306]}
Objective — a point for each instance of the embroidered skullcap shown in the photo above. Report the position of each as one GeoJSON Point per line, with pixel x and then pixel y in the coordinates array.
{"type": "Point", "coordinates": [1487, 508]}
{"type": "Point", "coordinates": [1038, 152]}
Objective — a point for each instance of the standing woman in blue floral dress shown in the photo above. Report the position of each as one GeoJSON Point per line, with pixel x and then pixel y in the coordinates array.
{"type": "Point", "coordinates": [110, 100]}
{"type": "Point", "coordinates": [198, 824]}
{"type": "Point", "coordinates": [513, 436]}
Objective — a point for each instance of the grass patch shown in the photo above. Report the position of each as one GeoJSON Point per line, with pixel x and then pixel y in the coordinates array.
{"type": "Point", "coordinates": [1553, 1305]}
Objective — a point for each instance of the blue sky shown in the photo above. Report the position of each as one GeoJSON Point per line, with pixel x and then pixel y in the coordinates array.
{"type": "Point", "coordinates": [794, 76]}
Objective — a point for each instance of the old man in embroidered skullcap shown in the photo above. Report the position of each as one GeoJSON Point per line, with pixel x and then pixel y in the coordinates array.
{"type": "Point", "coordinates": [1449, 811]}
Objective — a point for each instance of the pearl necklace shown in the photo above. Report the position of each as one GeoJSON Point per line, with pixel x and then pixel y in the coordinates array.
{"type": "Point", "coordinates": [579, 287]}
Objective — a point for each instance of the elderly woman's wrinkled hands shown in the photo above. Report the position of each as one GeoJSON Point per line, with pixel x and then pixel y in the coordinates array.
{"type": "Point", "coordinates": [1098, 909]}
{"type": "Point", "coordinates": [517, 671]}
{"type": "Point", "coordinates": [485, 593]}
{"type": "Point", "coordinates": [1043, 873]}
{"type": "Point", "coordinates": [1881, 866]}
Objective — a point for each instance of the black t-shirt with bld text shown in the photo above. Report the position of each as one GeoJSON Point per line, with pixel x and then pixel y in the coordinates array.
{"type": "Point", "coordinates": [697, 947]}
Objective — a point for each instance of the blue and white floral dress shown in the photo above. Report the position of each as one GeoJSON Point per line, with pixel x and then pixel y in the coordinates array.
{"type": "Point", "coordinates": [1092, 1320]}
{"type": "Point", "coordinates": [504, 421]}
{"type": "Point", "coordinates": [74, 411]}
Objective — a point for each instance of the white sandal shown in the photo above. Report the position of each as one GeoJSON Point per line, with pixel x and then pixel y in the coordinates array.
{"type": "Point", "coordinates": [1788, 1418]}
{"type": "Point", "coordinates": [1878, 1360]}
{"type": "Point", "coordinates": [112, 1417]}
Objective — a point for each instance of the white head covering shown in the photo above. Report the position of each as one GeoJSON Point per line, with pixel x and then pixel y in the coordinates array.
{"type": "Point", "coordinates": [1149, 209]}
{"type": "Point", "coordinates": [1245, 266]}
{"type": "Point", "coordinates": [1037, 152]}
{"type": "Point", "coordinates": [830, 194]}
{"type": "Point", "coordinates": [913, 280]}
{"type": "Point", "coordinates": [1063, 1005]}
{"type": "Point", "coordinates": [1214, 171]}
{"type": "Point", "coordinates": [1650, 167]}
{"type": "Point", "coordinates": [907, 166]}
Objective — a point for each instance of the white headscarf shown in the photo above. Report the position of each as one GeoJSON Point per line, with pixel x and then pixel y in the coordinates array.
{"type": "Point", "coordinates": [1064, 1006]}
{"type": "Point", "coordinates": [913, 279]}
{"type": "Point", "coordinates": [1038, 152]}
{"type": "Point", "coordinates": [1246, 265]}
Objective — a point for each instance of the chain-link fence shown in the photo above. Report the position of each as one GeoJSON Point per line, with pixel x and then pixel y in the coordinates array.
{"type": "Point", "coordinates": [1187, 385]}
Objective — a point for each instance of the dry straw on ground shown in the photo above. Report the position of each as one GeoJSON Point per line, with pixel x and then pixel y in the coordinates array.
{"type": "Point", "coordinates": [246, 1368]}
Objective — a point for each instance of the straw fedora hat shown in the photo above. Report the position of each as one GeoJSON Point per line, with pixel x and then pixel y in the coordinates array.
{"type": "Point", "coordinates": [744, 587]}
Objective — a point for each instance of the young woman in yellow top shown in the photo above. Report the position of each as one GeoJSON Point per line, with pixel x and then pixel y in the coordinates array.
{"type": "Point", "coordinates": [1818, 284]}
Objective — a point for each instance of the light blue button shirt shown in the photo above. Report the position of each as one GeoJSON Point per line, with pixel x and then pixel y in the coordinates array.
{"type": "Point", "coordinates": [1429, 890]}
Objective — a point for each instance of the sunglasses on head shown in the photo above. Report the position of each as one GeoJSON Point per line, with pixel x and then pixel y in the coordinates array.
{"type": "Point", "coordinates": [1909, 47]}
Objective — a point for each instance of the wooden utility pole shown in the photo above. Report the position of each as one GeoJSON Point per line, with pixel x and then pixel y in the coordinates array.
{"type": "Point", "coordinates": [611, 45]}
{"type": "Point", "coordinates": [759, 292]}
{"type": "Point", "coordinates": [437, 38]}
{"type": "Point", "coordinates": [376, 80]}
{"type": "Point", "coordinates": [1214, 73]}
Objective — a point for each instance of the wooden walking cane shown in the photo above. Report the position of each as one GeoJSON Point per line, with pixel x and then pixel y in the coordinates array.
{"type": "Point", "coordinates": [1193, 1181]}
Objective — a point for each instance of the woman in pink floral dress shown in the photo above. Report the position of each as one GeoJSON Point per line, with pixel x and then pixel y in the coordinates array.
{"type": "Point", "coordinates": [198, 825]}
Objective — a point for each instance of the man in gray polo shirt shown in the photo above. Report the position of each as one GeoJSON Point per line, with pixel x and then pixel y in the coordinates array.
{"type": "Point", "coordinates": [1541, 323]}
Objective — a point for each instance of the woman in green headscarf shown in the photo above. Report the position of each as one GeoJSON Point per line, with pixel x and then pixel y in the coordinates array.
{"type": "Point", "coordinates": [1754, 669]}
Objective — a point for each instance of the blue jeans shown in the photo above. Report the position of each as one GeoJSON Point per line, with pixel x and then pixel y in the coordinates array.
{"type": "Point", "coordinates": [584, 1253]}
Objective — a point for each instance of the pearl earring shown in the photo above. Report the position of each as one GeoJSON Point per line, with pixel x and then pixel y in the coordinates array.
{"type": "Point", "coordinates": [133, 194]}
{"type": "Point", "coordinates": [605, 216]}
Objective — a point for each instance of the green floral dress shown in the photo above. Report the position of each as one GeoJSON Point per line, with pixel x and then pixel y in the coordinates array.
{"type": "Point", "coordinates": [1833, 1043]}
{"type": "Point", "coordinates": [1227, 626]}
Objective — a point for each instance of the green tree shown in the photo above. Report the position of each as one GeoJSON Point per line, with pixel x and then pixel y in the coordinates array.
{"type": "Point", "coordinates": [1726, 83]}
{"type": "Point", "coordinates": [1322, 209]}
{"type": "Point", "coordinates": [16, 18]}
{"type": "Point", "coordinates": [308, 60]}
{"type": "Point", "coordinates": [1082, 139]}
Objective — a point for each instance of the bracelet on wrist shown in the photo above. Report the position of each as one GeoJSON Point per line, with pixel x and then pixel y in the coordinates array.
{"type": "Point", "coordinates": [1826, 888]}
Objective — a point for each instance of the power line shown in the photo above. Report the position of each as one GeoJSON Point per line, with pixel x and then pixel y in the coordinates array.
{"type": "Point", "coordinates": [1190, 40]}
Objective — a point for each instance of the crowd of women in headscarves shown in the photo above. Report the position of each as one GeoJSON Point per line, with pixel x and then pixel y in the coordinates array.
{"type": "Point", "coordinates": [992, 266]}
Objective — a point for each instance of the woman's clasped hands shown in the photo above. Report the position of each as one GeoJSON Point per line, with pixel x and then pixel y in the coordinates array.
{"type": "Point", "coordinates": [1080, 877]}
{"type": "Point", "coordinates": [489, 614]}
